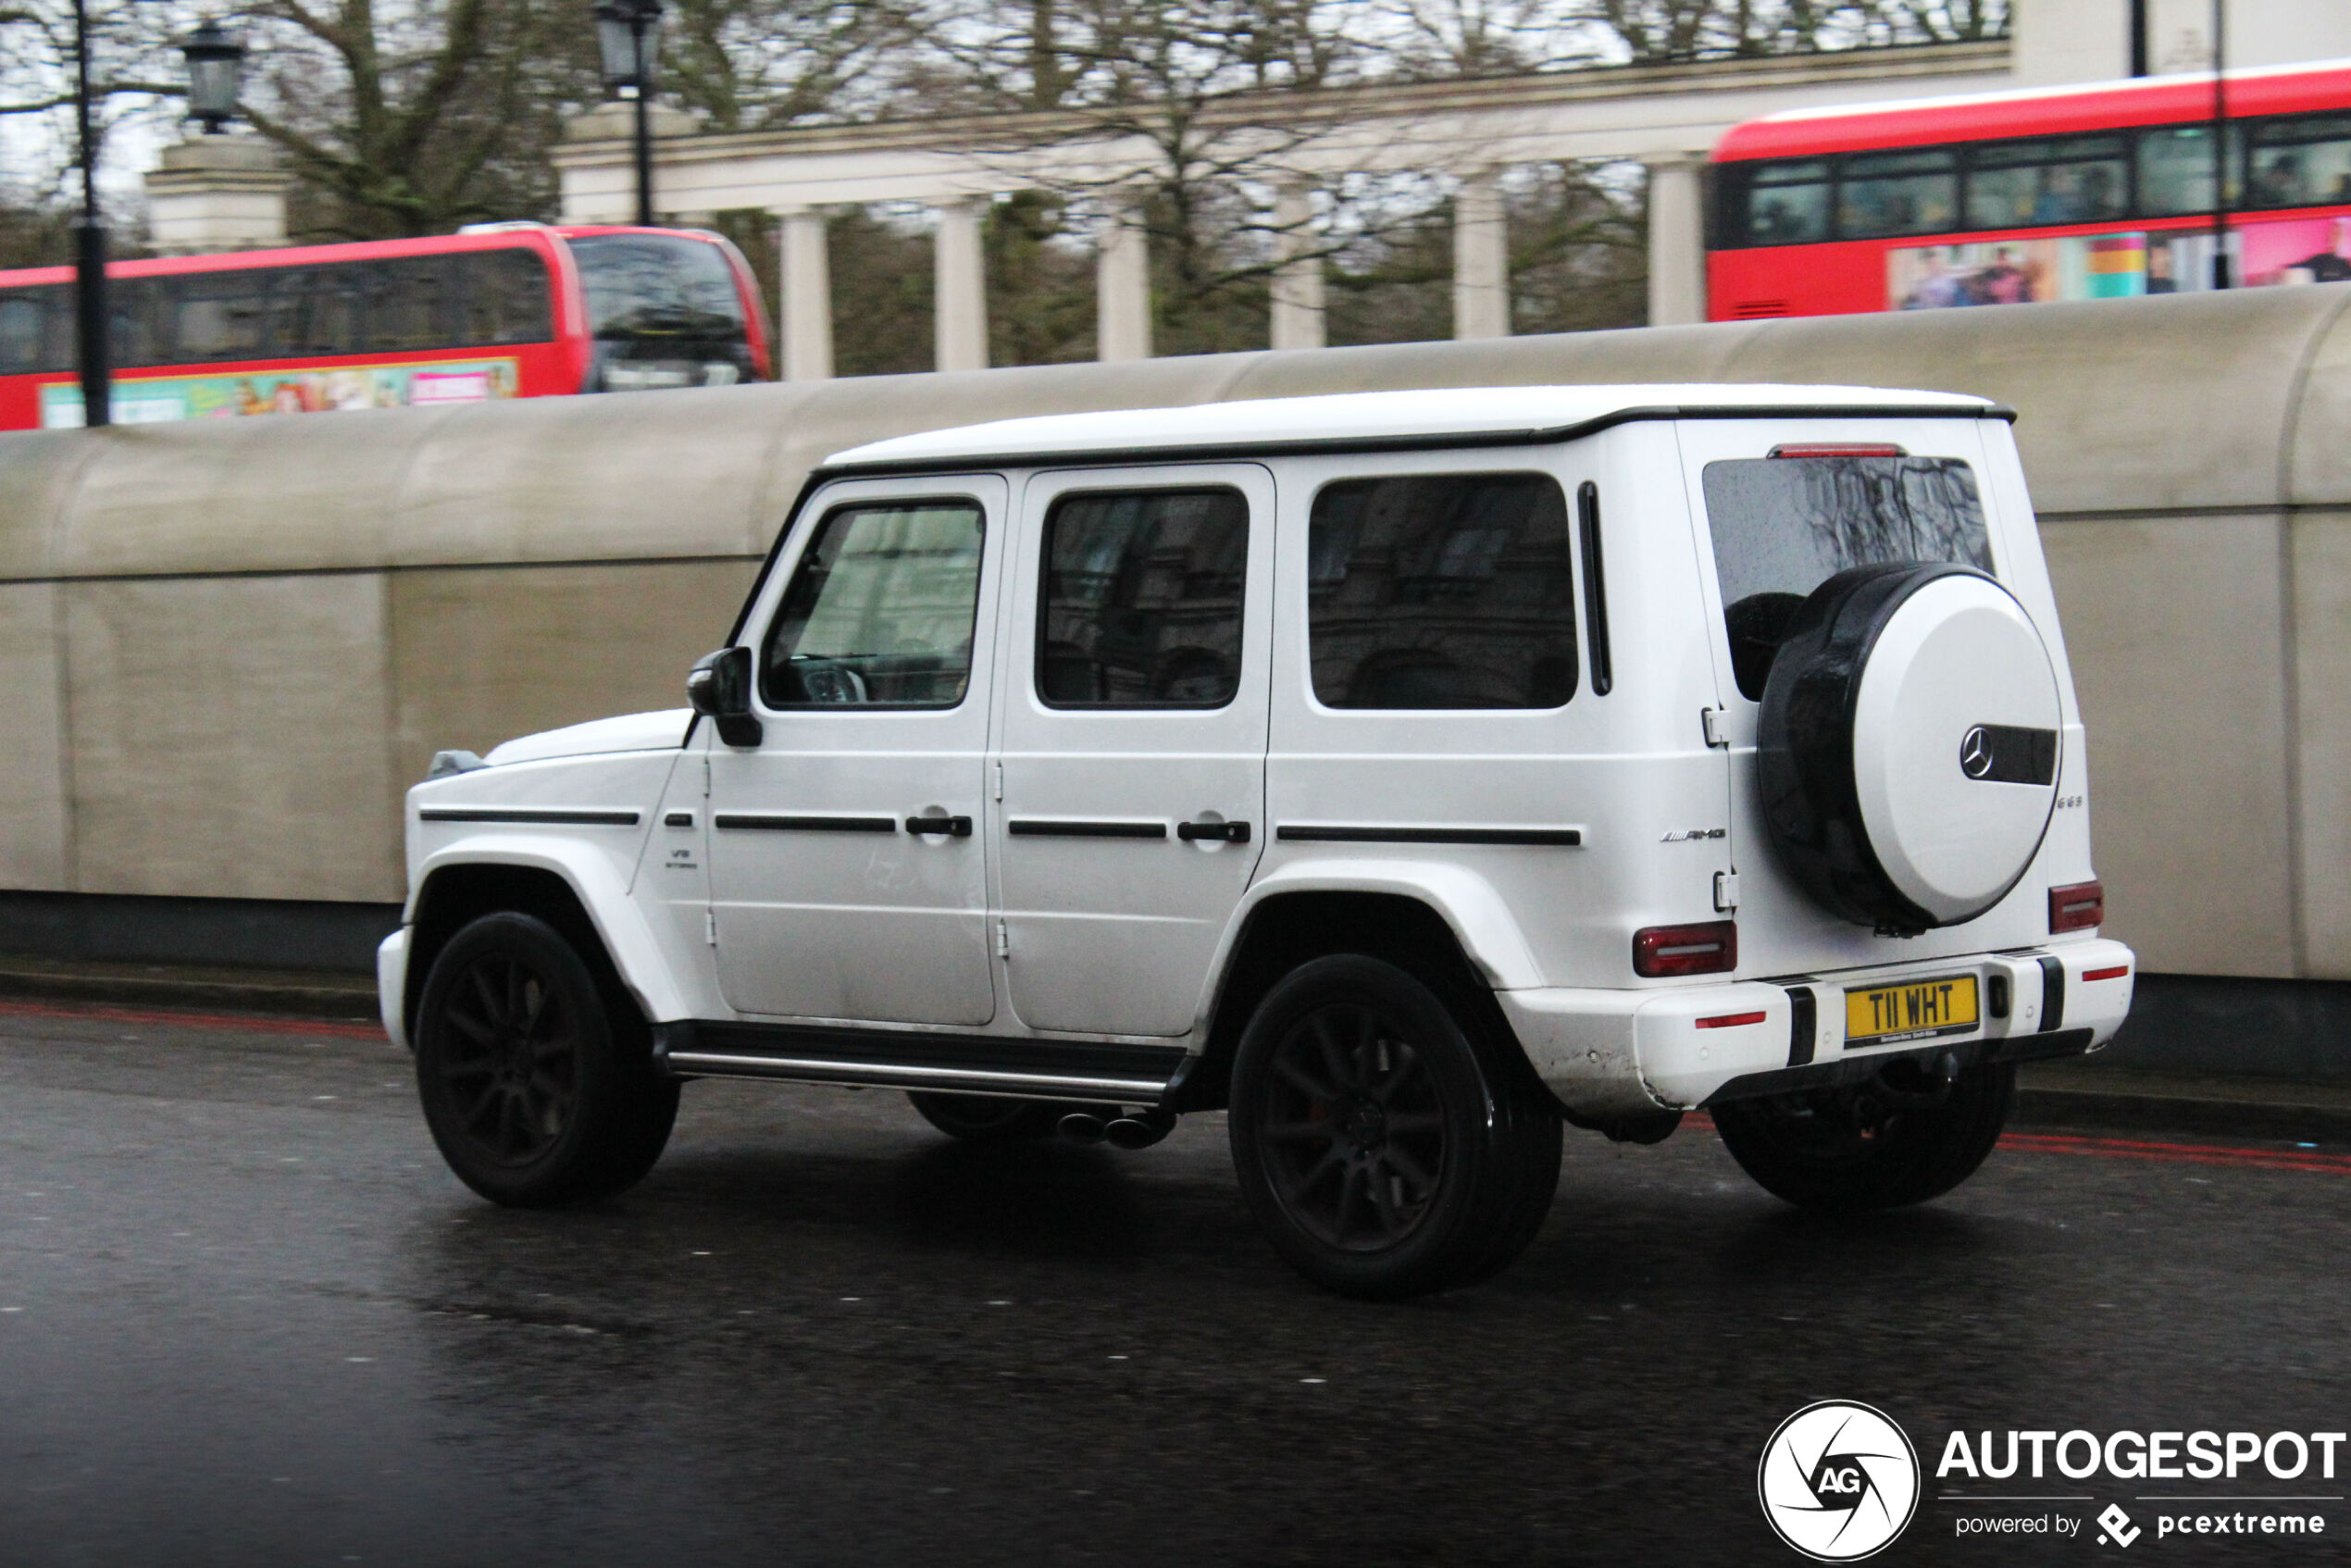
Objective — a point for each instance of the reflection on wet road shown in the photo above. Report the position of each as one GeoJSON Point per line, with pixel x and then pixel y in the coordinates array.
{"type": "Point", "coordinates": [246, 1317]}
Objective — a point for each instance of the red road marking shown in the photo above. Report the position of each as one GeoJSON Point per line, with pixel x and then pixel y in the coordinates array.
{"type": "Point", "coordinates": [245, 1023]}
{"type": "Point", "coordinates": [2308, 1159]}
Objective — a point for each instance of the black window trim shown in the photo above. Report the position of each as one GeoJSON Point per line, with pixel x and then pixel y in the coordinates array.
{"type": "Point", "coordinates": [760, 702]}
{"type": "Point", "coordinates": [1383, 471]}
{"type": "Point", "coordinates": [1044, 597]}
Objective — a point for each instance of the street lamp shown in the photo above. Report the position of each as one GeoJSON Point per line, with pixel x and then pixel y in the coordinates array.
{"type": "Point", "coordinates": [213, 59]}
{"type": "Point", "coordinates": [628, 36]}
{"type": "Point", "coordinates": [89, 246]}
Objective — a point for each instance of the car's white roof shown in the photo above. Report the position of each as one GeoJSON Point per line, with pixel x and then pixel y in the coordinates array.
{"type": "Point", "coordinates": [1450, 413]}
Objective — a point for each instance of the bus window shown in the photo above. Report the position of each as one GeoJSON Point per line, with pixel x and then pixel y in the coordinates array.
{"type": "Point", "coordinates": [505, 298]}
{"type": "Point", "coordinates": [2068, 179]}
{"type": "Point", "coordinates": [409, 307]}
{"type": "Point", "coordinates": [2175, 170]}
{"type": "Point", "coordinates": [1788, 203]}
{"type": "Point", "coordinates": [213, 315]}
{"type": "Point", "coordinates": [1907, 192]}
{"type": "Point", "coordinates": [29, 337]}
{"type": "Point", "coordinates": [320, 309]}
{"type": "Point", "coordinates": [142, 308]}
{"type": "Point", "coordinates": [2299, 162]}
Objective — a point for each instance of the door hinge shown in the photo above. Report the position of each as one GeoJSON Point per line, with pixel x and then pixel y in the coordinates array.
{"type": "Point", "coordinates": [1712, 719]}
{"type": "Point", "coordinates": [1003, 940]}
{"type": "Point", "coordinates": [710, 928]}
{"type": "Point", "coordinates": [1000, 780]}
{"type": "Point", "coordinates": [1726, 891]}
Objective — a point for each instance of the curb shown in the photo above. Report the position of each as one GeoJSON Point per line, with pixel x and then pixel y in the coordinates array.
{"type": "Point", "coordinates": [2119, 1111]}
{"type": "Point", "coordinates": [337, 1002]}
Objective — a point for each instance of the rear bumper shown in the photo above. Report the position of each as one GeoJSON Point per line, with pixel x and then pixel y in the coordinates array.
{"type": "Point", "coordinates": [1623, 1052]}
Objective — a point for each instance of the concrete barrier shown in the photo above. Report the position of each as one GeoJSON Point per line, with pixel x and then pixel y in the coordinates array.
{"type": "Point", "coordinates": [226, 648]}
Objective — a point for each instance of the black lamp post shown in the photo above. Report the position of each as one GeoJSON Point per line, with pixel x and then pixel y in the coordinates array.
{"type": "Point", "coordinates": [90, 246]}
{"type": "Point", "coordinates": [628, 36]}
{"type": "Point", "coordinates": [2219, 145]}
{"type": "Point", "coordinates": [213, 59]}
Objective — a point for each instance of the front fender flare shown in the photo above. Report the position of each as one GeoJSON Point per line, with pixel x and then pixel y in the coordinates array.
{"type": "Point", "coordinates": [602, 890]}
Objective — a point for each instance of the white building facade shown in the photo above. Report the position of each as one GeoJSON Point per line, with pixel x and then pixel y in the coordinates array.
{"type": "Point", "coordinates": [1667, 117]}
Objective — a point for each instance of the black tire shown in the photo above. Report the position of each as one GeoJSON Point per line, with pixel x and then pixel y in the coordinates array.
{"type": "Point", "coordinates": [991, 1118]}
{"type": "Point", "coordinates": [1387, 1149]}
{"type": "Point", "coordinates": [1850, 1151]}
{"type": "Point", "coordinates": [536, 1072]}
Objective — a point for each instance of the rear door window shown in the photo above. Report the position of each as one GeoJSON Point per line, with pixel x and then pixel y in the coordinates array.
{"type": "Point", "coordinates": [1784, 526]}
{"type": "Point", "coordinates": [1141, 605]}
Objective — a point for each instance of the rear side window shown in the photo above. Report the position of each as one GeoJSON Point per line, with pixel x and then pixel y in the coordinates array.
{"type": "Point", "coordinates": [1441, 591]}
{"type": "Point", "coordinates": [651, 286]}
{"type": "Point", "coordinates": [879, 611]}
{"type": "Point", "coordinates": [1784, 526]}
{"type": "Point", "coordinates": [1142, 600]}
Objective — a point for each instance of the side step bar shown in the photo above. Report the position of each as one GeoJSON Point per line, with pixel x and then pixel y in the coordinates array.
{"type": "Point", "coordinates": [1024, 1069]}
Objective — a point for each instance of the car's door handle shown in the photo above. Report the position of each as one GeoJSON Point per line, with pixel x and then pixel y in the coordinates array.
{"type": "Point", "coordinates": [1230, 832]}
{"type": "Point", "coordinates": [953, 826]}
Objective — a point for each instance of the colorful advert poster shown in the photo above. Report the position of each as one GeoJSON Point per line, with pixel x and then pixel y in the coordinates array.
{"type": "Point", "coordinates": [148, 400]}
{"type": "Point", "coordinates": [2087, 267]}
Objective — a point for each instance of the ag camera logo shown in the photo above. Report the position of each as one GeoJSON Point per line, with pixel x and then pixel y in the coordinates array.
{"type": "Point", "coordinates": [1839, 1481]}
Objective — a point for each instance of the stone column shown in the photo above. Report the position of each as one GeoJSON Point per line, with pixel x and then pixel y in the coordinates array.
{"type": "Point", "coordinates": [808, 297]}
{"type": "Point", "coordinates": [1481, 258]}
{"type": "Point", "coordinates": [218, 193]}
{"type": "Point", "coordinates": [1677, 242]}
{"type": "Point", "coordinates": [1123, 286]}
{"type": "Point", "coordinates": [959, 287]}
{"type": "Point", "coordinates": [1298, 318]}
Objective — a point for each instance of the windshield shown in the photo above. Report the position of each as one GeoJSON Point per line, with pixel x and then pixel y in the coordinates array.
{"type": "Point", "coordinates": [1784, 526]}
{"type": "Point", "coordinates": [664, 310]}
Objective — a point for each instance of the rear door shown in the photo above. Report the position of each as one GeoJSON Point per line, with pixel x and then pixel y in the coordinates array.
{"type": "Point", "coordinates": [1133, 739]}
{"type": "Point", "coordinates": [1778, 506]}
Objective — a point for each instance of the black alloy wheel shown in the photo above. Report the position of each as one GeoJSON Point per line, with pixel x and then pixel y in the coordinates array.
{"type": "Point", "coordinates": [1387, 1149]}
{"type": "Point", "coordinates": [1353, 1128]}
{"type": "Point", "coordinates": [511, 1061]}
{"type": "Point", "coordinates": [1899, 1139]}
{"type": "Point", "coordinates": [536, 1074]}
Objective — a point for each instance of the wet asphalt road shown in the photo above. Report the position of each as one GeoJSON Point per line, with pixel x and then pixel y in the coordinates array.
{"type": "Point", "coordinates": [247, 1318]}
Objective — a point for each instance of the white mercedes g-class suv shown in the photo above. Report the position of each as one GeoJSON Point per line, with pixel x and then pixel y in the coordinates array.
{"type": "Point", "coordinates": [1406, 773]}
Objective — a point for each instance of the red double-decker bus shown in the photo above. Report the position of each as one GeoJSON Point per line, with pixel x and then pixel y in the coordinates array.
{"type": "Point", "coordinates": [501, 310]}
{"type": "Point", "coordinates": [2101, 192]}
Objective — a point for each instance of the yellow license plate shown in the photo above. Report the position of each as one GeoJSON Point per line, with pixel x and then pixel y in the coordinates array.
{"type": "Point", "coordinates": [1915, 1010]}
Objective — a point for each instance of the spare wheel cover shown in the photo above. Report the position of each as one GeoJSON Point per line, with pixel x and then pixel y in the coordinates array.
{"type": "Point", "coordinates": [1908, 744]}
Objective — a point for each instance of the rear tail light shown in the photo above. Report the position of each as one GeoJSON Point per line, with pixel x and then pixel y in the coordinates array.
{"type": "Point", "coordinates": [1662, 951]}
{"type": "Point", "coordinates": [1838, 449]}
{"type": "Point", "coordinates": [2078, 908]}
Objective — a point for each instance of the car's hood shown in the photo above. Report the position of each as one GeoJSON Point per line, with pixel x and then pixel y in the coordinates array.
{"type": "Point", "coordinates": [662, 731]}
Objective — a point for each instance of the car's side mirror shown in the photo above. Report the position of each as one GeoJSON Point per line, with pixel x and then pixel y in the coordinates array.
{"type": "Point", "coordinates": [720, 688]}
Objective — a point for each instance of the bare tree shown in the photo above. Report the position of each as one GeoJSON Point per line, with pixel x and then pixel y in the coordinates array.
{"type": "Point", "coordinates": [134, 77]}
